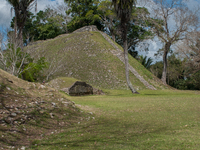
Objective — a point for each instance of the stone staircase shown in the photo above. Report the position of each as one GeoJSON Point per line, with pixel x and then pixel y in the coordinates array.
{"type": "Point", "coordinates": [117, 52]}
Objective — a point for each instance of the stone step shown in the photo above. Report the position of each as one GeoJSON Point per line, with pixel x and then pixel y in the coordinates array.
{"type": "Point", "coordinates": [117, 52]}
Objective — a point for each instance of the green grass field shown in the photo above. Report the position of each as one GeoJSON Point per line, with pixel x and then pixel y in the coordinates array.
{"type": "Point", "coordinates": [151, 120]}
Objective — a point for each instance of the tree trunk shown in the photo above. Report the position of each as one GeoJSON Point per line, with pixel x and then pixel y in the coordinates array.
{"type": "Point", "coordinates": [21, 37]}
{"type": "Point", "coordinates": [112, 34]}
{"type": "Point", "coordinates": [113, 37]}
{"type": "Point", "coordinates": [124, 37]}
{"type": "Point", "coordinates": [15, 32]}
{"type": "Point", "coordinates": [164, 73]}
{"type": "Point", "coordinates": [15, 28]}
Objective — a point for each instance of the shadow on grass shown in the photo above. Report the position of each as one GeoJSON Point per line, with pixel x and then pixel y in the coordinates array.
{"type": "Point", "coordinates": [101, 133]}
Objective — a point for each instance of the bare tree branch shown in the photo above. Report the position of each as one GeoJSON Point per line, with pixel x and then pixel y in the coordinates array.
{"type": "Point", "coordinates": [171, 21]}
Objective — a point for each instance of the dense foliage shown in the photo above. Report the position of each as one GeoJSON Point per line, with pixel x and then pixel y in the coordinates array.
{"type": "Point", "coordinates": [21, 9]}
{"type": "Point", "coordinates": [179, 74]}
{"type": "Point", "coordinates": [44, 25]}
{"type": "Point", "coordinates": [19, 63]}
{"type": "Point", "coordinates": [32, 71]}
{"type": "Point", "coordinates": [83, 13]}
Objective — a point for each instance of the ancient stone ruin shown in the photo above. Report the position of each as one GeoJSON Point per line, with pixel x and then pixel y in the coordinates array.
{"type": "Point", "coordinates": [80, 88]}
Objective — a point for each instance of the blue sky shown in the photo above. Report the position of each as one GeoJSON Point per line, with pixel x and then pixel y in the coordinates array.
{"type": "Point", "coordinates": [5, 14]}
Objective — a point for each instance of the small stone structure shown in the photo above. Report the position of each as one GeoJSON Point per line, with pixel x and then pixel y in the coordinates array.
{"type": "Point", "coordinates": [80, 88]}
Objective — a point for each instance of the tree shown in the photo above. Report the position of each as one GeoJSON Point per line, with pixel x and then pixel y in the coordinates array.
{"type": "Point", "coordinates": [157, 68]}
{"type": "Point", "coordinates": [84, 13]}
{"type": "Point", "coordinates": [32, 70]}
{"type": "Point", "coordinates": [135, 35]}
{"type": "Point", "coordinates": [133, 52]}
{"type": "Point", "coordinates": [109, 18]}
{"type": "Point", "coordinates": [49, 24]}
{"type": "Point", "coordinates": [28, 30]}
{"type": "Point", "coordinates": [164, 12]}
{"type": "Point", "coordinates": [21, 9]}
{"type": "Point", "coordinates": [145, 62]}
{"type": "Point", "coordinates": [176, 71]}
{"type": "Point", "coordinates": [189, 49]}
{"type": "Point", "coordinates": [1, 40]}
{"type": "Point", "coordinates": [12, 57]}
{"type": "Point", "coordinates": [44, 25]}
{"type": "Point", "coordinates": [18, 62]}
{"type": "Point", "coordinates": [1, 51]}
{"type": "Point", "coordinates": [123, 9]}
{"type": "Point", "coordinates": [136, 32]}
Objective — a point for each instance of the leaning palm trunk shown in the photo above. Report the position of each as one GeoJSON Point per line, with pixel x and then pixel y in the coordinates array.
{"type": "Point", "coordinates": [21, 37]}
{"type": "Point", "coordinates": [123, 10]}
{"type": "Point", "coordinates": [15, 28]}
{"type": "Point", "coordinates": [124, 36]}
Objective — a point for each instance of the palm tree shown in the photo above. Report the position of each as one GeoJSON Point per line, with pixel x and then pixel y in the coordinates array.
{"type": "Point", "coordinates": [21, 9]}
{"type": "Point", "coordinates": [145, 62]}
{"type": "Point", "coordinates": [123, 9]}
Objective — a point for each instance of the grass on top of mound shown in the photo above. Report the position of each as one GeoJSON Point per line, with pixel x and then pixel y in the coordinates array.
{"type": "Point", "coordinates": [87, 56]}
{"type": "Point", "coordinates": [62, 82]}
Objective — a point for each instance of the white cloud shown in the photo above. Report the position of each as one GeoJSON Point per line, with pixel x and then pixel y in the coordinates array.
{"type": "Point", "coordinates": [154, 45]}
{"type": "Point", "coordinates": [43, 3]}
{"type": "Point", "coordinates": [5, 14]}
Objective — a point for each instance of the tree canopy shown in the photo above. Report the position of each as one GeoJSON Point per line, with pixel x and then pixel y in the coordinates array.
{"type": "Point", "coordinates": [21, 9]}
{"type": "Point", "coordinates": [83, 13]}
{"type": "Point", "coordinates": [44, 25]}
{"type": "Point", "coordinates": [165, 12]}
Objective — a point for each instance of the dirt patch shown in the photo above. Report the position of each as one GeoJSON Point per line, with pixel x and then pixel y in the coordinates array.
{"type": "Point", "coordinates": [30, 111]}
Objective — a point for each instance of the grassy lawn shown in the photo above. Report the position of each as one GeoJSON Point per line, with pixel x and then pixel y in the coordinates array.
{"type": "Point", "coordinates": [152, 120]}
